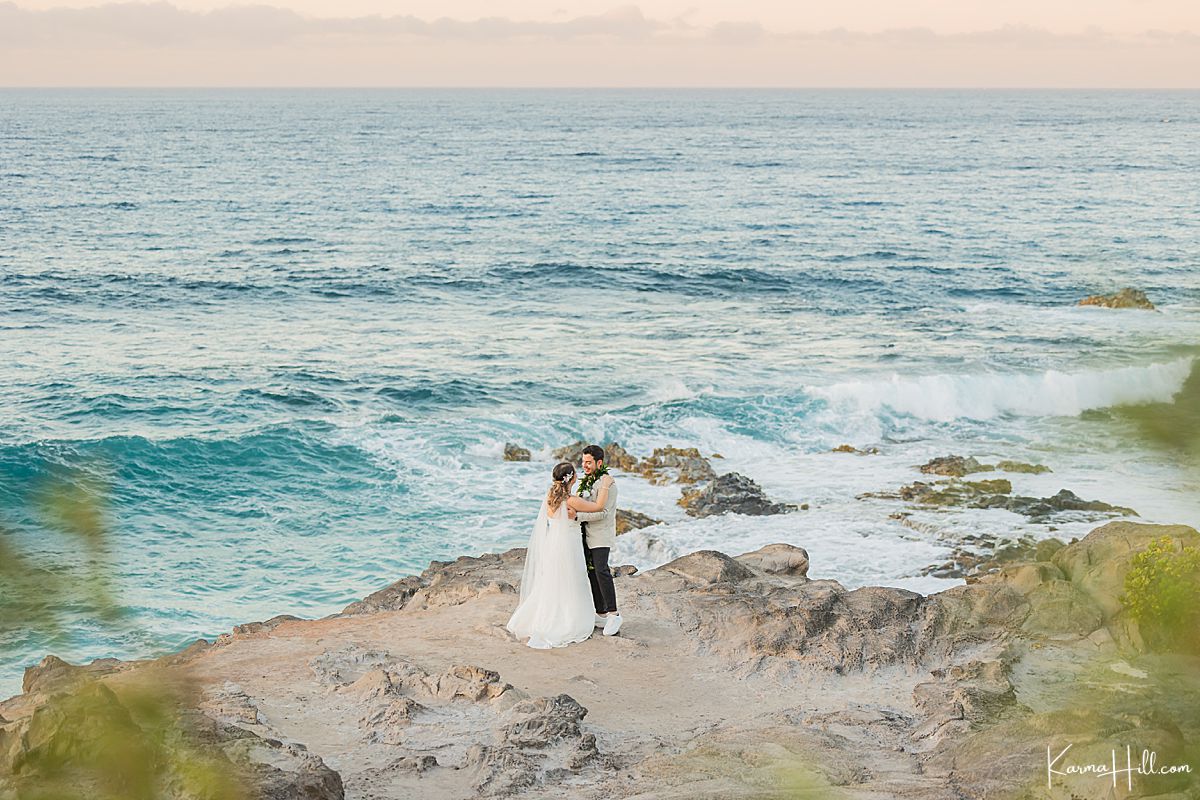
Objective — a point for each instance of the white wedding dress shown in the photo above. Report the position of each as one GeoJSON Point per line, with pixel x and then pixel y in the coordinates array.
{"type": "Point", "coordinates": [555, 607]}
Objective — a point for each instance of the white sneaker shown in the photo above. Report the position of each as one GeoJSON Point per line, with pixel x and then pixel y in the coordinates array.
{"type": "Point", "coordinates": [613, 625]}
{"type": "Point", "coordinates": [601, 620]}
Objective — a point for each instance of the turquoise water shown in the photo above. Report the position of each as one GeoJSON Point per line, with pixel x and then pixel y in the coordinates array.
{"type": "Point", "coordinates": [293, 329]}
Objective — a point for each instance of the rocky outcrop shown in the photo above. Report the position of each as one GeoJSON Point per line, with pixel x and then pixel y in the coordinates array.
{"type": "Point", "coordinates": [514, 452]}
{"type": "Point", "coordinates": [731, 493]}
{"type": "Point", "coordinates": [959, 466]}
{"type": "Point", "coordinates": [684, 465]}
{"type": "Point", "coordinates": [632, 520]}
{"type": "Point", "coordinates": [732, 677]}
{"type": "Point", "coordinates": [443, 583]}
{"type": "Point", "coordinates": [1125, 298]}
{"type": "Point", "coordinates": [102, 739]}
{"type": "Point", "coordinates": [996, 493]}
{"type": "Point", "coordinates": [1021, 466]}
{"type": "Point", "coordinates": [953, 466]}
{"type": "Point", "coordinates": [849, 448]}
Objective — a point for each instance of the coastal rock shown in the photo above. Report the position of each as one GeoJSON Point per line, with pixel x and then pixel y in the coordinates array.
{"type": "Point", "coordinates": [513, 452]}
{"type": "Point", "coordinates": [1098, 562]}
{"type": "Point", "coordinates": [572, 452]}
{"type": "Point", "coordinates": [632, 520]}
{"type": "Point", "coordinates": [803, 684]}
{"type": "Point", "coordinates": [687, 465]}
{"type": "Point", "coordinates": [1020, 466]}
{"type": "Point", "coordinates": [443, 583]}
{"type": "Point", "coordinates": [708, 566]}
{"type": "Point", "coordinates": [849, 448]}
{"type": "Point", "coordinates": [91, 727]}
{"type": "Point", "coordinates": [954, 492]}
{"type": "Point", "coordinates": [1125, 298]}
{"type": "Point", "coordinates": [616, 456]}
{"type": "Point", "coordinates": [779, 559]}
{"type": "Point", "coordinates": [1064, 500]}
{"type": "Point", "coordinates": [731, 492]}
{"type": "Point", "coordinates": [996, 493]}
{"type": "Point", "coordinates": [954, 466]}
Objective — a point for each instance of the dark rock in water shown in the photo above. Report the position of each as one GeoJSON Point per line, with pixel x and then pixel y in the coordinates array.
{"type": "Point", "coordinates": [954, 492]}
{"type": "Point", "coordinates": [572, 452]}
{"type": "Point", "coordinates": [631, 521]}
{"type": "Point", "coordinates": [1126, 298]}
{"type": "Point", "coordinates": [954, 466]}
{"type": "Point", "coordinates": [616, 456]}
{"type": "Point", "coordinates": [849, 448]}
{"type": "Point", "coordinates": [687, 463]}
{"type": "Point", "coordinates": [731, 492]}
{"type": "Point", "coordinates": [1065, 500]}
{"type": "Point", "coordinates": [514, 452]}
{"type": "Point", "coordinates": [1020, 466]}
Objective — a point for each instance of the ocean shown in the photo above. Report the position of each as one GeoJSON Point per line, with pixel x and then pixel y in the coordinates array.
{"type": "Point", "coordinates": [292, 331]}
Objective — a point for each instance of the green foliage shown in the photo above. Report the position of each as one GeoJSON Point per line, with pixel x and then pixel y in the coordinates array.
{"type": "Point", "coordinates": [92, 739]}
{"type": "Point", "coordinates": [1162, 592]}
{"type": "Point", "coordinates": [79, 573]}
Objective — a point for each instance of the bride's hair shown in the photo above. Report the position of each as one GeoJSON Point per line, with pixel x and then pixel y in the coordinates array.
{"type": "Point", "coordinates": [560, 490]}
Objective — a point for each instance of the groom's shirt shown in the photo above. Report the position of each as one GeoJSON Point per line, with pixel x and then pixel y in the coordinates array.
{"type": "Point", "coordinates": [602, 525]}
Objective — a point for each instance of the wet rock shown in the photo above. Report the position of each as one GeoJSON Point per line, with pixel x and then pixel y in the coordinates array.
{"type": "Point", "coordinates": [954, 492]}
{"type": "Point", "coordinates": [572, 452]}
{"type": "Point", "coordinates": [734, 493]}
{"type": "Point", "coordinates": [996, 493]}
{"type": "Point", "coordinates": [954, 466]}
{"type": "Point", "coordinates": [1125, 298]}
{"type": "Point", "coordinates": [616, 456]}
{"type": "Point", "coordinates": [848, 448]}
{"type": "Point", "coordinates": [624, 570]}
{"type": "Point", "coordinates": [632, 520]}
{"type": "Point", "coordinates": [687, 465]}
{"type": "Point", "coordinates": [1020, 466]}
{"type": "Point", "coordinates": [513, 452]}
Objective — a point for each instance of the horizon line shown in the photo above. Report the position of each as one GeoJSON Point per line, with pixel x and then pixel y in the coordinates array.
{"type": "Point", "coordinates": [594, 87]}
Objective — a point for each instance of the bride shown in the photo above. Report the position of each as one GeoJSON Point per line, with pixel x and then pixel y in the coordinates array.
{"type": "Point", "coordinates": [556, 606]}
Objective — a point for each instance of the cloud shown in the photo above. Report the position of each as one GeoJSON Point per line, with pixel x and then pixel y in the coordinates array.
{"type": "Point", "coordinates": [162, 24]}
{"type": "Point", "coordinates": [157, 43]}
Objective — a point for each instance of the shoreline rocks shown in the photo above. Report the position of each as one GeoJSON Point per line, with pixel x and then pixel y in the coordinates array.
{"type": "Point", "coordinates": [731, 493]}
{"type": "Point", "coordinates": [418, 691]}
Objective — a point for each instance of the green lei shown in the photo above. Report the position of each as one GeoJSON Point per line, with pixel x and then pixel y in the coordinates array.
{"type": "Point", "coordinates": [587, 481]}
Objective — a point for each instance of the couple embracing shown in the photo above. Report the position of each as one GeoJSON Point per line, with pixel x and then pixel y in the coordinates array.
{"type": "Point", "coordinates": [567, 587]}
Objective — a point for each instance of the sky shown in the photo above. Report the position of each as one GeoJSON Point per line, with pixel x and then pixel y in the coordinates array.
{"type": "Point", "coordinates": [867, 43]}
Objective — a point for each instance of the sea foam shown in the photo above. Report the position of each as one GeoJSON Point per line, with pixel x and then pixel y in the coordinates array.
{"type": "Point", "coordinates": [947, 397]}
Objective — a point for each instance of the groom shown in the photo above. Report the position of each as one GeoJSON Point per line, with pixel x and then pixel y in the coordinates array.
{"type": "Point", "coordinates": [599, 537]}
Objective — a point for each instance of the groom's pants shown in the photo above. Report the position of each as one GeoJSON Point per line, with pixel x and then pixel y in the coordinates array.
{"type": "Point", "coordinates": [604, 594]}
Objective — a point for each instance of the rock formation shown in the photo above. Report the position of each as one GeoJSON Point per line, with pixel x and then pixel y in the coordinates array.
{"type": "Point", "coordinates": [514, 452]}
{"type": "Point", "coordinates": [732, 677]}
{"type": "Point", "coordinates": [1125, 298]}
{"type": "Point", "coordinates": [731, 493]}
